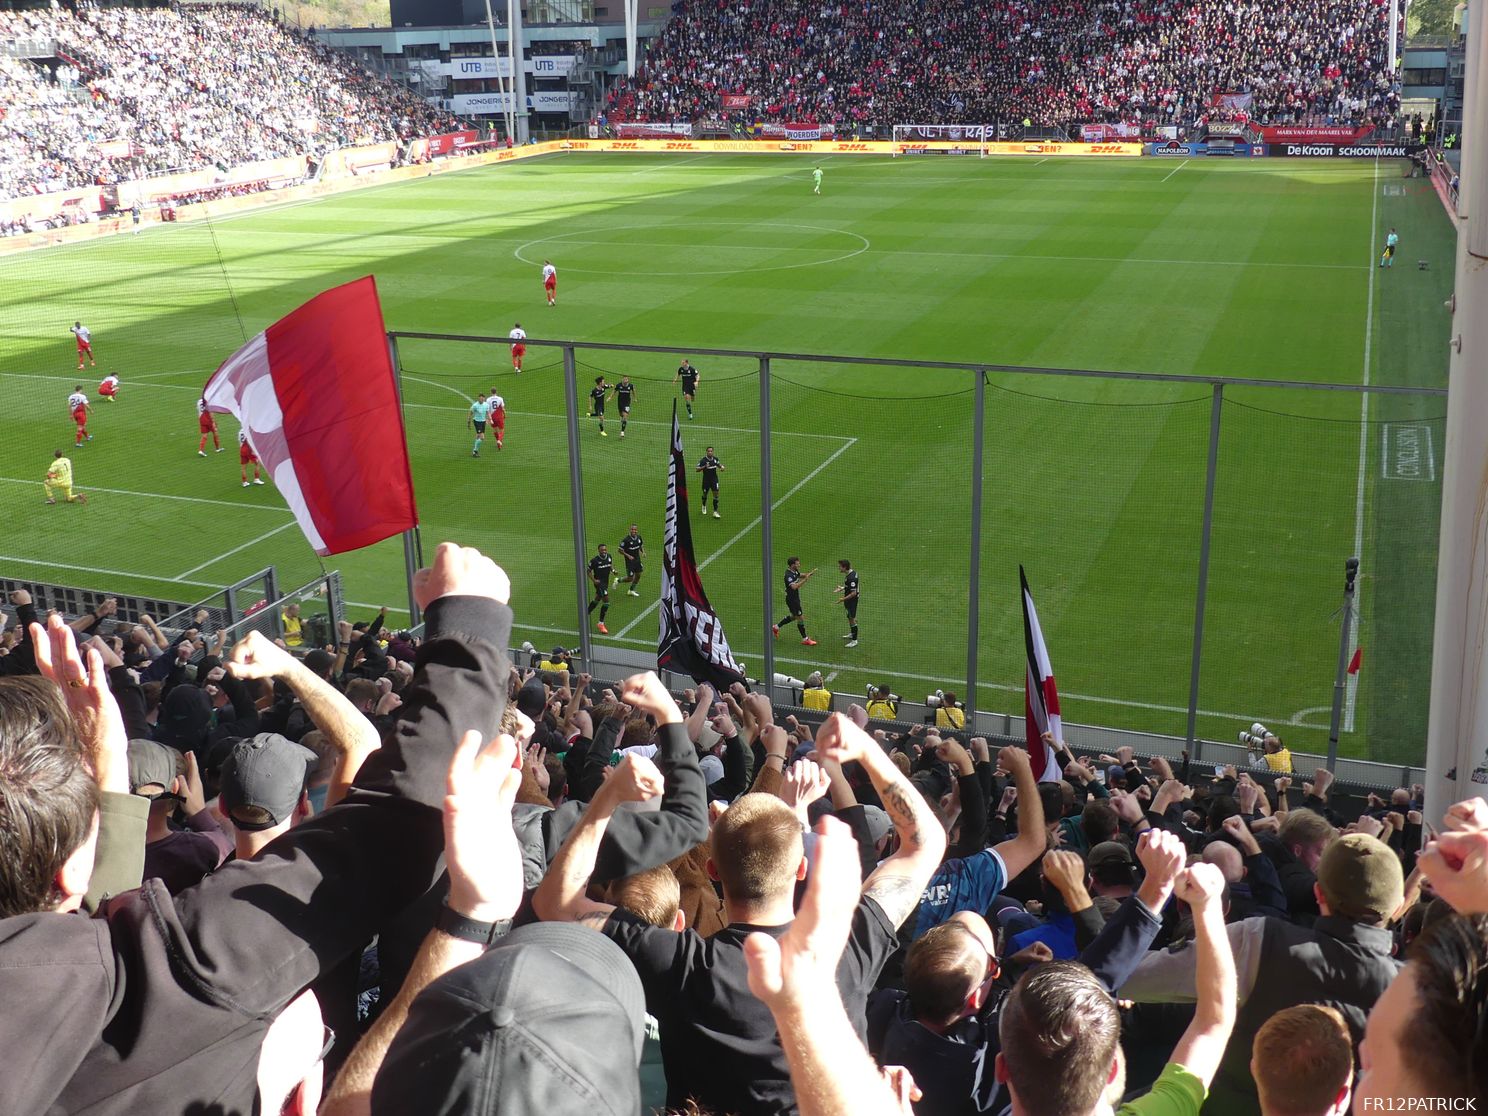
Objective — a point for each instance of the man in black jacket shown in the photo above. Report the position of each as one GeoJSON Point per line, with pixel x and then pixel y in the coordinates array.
{"type": "Point", "coordinates": [161, 1004]}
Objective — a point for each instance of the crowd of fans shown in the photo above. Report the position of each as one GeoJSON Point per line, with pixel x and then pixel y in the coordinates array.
{"type": "Point", "coordinates": [146, 91]}
{"type": "Point", "coordinates": [1159, 62]}
{"type": "Point", "coordinates": [215, 897]}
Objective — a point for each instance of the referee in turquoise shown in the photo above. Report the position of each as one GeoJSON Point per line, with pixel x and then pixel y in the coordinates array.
{"type": "Point", "coordinates": [480, 410]}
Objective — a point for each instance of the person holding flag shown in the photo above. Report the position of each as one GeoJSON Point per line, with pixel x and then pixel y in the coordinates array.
{"type": "Point", "coordinates": [691, 639]}
{"type": "Point", "coordinates": [1041, 697]}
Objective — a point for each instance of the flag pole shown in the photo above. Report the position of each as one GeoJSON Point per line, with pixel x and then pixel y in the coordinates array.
{"type": "Point", "coordinates": [412, 550]}
{"type": "Point", "coordinates": [767, 536]}
{"type": "Point", "coordinates": [576, 499]}
{"type": "Point", "coordinates": [1345, 638]}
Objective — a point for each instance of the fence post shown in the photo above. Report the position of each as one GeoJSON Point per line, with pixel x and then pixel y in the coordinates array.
{"type": "Point", "coordinates": [974, 578]}
{"type": "Point", "coordinates": [767, 527]}
{"type": "Point", "coordinates": [576, 498]}
{"type": "Point", "coordinates": [1215, 410]}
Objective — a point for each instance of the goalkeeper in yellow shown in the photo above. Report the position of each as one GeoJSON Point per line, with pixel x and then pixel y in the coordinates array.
{"type": "Point", "coordinates": [59, 479]}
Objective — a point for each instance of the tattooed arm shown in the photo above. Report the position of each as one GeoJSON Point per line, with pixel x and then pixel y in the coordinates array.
{"type": "Point", "coordinates": [897, 883]}
{"type": "Point", "coordinates": [561, 896]}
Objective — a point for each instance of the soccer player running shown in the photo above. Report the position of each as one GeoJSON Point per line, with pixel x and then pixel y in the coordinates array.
{"type": "Point", "coordinates": [518, 337]}
{"type": "Point", "coordinates": [689, 377]}
{"type": "Point", "coordinates": [206, 423]}
{"type": "Point", "coordinates": [597, 395]}
{"type": "Point", "coordinates": [480, 410]}
{"type": "Point", "coordinates": [816, 176]}
{"type": "Point", "coordinates": [550, 282]}
{"type": "Point", "coordinates": [601, 569]}
{"type": "Point", "coordinates": [79, 408]}
{"type": "Point", "coordinates": [84, 344]}
{"type": "Point", "coordinates": [1387, 258]}
{"type": "Point", "coordinates": [633, 547]}
{"type": "Point", "coordinates": [59, 479]}
{"type": "Point", "coordinates": [848, 591]}
{"type": "Point", "coordinates": [794, 579]}
{"type": "Point", "coordinates": [709, 466]}
{"type": "Point", "coordinates": [624, 397]}
{"type": "Point", "coordinates": [498, 417]}
{"type": "Point", "coordinates": [109, 388]}
{"type": "Point", "coordinates": [247, 457]}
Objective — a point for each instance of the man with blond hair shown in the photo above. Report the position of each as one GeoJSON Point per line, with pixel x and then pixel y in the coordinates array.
{"type": "Point", "coordinates": [1303, 1062]}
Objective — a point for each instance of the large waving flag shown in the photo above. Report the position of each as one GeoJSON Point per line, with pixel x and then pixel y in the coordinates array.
{"type": "Point", "coordinates": [691, 639]}
{"type": "Point", "coordinates": [316, 395]}
{"type": "Point", "coordinates": [1041, 705]}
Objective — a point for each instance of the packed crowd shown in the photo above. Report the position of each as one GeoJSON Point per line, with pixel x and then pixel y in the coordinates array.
{"type": "Point", "coordinates": [1160, 62]}
{"type": "Point", "coordinates": [215, 897]}
{"type": "Point", "coordinates": [181, 88]}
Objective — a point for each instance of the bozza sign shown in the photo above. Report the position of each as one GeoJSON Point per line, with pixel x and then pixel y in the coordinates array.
{"type": "Point", "coordinates": [1172, 147]}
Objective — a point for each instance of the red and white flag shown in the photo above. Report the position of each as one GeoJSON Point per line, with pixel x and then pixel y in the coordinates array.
{"type": "Point", "coordinates": [316, 395]}
{"type": "Point", "coordinates": [1041, 705]}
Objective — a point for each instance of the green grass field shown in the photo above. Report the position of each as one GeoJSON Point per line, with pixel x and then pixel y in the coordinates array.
{"type": "Point", "coordinates": [1257, 269]}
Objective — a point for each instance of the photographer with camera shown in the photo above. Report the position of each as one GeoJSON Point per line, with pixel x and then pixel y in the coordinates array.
{"type": "Point", "coordinates": [883, 705]}
{"type": "Point", "coordinates": [948, 715]}
{"type": "Point", "coordinates": [1274, 753]}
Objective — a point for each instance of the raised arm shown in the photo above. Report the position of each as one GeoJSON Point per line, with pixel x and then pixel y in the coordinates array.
{"type": "Point", "coordinates": [352, 736]}
{"type": "Point", "coordinates": [1031, 842]}
{"type": "Point", "coordinates": [561, 896]}
{"type": "Point", "coordinates": [1203, 1045]}
{"type": "Point", "coordinates": [897, 883]}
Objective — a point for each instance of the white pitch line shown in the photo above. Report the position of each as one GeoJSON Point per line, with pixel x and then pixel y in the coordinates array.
{"type": "Point", "coordinates": [1351, 686]}
{"type": "Point", "coordinates": [708, 561]}
{"type": "Point", "coordinates": [237, 549]}
{"type": "Point", "coordinates": [90, 488]}
{"type": "Point", "coordinates": [670, 165]}
{"type": "Point", "coordinates": [633, 422]}
{"type": "Point", "coordinates": [1175, 170]}
{"type": "Point", "coordinates": [47, 563]}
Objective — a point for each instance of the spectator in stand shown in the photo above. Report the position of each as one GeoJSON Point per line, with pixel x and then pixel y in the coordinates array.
{"type": "Point", "coordinates": [1303, 1062]}
{"type": "Point", "coordinates": [264, 786]}
{"type": "Point", "coordinates": [177, 856]}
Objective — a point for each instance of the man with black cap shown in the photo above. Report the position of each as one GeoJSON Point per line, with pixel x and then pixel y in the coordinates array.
{"type": "Point", "coordinates": [1344, 960]}
{"type": "Point", "coordinates": [719, 1043]}
{"type": "Point", "coordinates": [264, 780]}
{"type": "Point", "coordinates": [160, 1004]}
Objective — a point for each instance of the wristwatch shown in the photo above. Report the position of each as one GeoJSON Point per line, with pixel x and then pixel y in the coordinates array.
{"type": "Point", "coordinates": [458, 926]}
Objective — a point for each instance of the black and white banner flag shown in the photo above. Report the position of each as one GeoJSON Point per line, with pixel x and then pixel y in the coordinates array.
{"type": "Point", "coordinates": [691, 639]}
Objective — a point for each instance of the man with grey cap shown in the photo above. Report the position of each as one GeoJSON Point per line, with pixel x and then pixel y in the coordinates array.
{"type": "Point", "coordinates": [264, 781]}
{"type": "Point", "coordinates": [1343, 961]}
{"type": "Point", "coordinates": [178, 856]}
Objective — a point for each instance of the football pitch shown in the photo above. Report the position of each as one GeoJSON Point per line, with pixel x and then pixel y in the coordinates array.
{"type": "Point", "coordinates": [1261, 269]}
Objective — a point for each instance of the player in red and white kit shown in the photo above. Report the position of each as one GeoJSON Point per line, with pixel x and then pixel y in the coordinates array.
{"type": "Point", "coordinates": [84, 344]}
{"type": "Point", "coordinates": [247, 457]}
{"type": "Point", "coordinates": [518, 337]}
{"type": "Point", "coordinates": [109, 388]}
{"type": "Point", "coordinates": [498, 416]}
{"type": "Point", "coordinates": [550, 282]}
{"type": "Point", "coordinates": [206, 422]}
{"type": "Point", "coordinates": [77, 406]}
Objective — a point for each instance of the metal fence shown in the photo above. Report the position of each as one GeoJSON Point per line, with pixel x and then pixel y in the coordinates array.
{"type": "Point", "coordinates": [321, 603]}
{"type": "Point", "coordinates": [1185, 537]}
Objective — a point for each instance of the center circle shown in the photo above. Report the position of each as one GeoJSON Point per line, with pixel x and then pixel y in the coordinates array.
{"type": "Point", "coordinates": [649, 249]}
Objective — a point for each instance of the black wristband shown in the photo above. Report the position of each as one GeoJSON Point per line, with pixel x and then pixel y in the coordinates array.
{"type": "Point", "coordinates": [458, 926]}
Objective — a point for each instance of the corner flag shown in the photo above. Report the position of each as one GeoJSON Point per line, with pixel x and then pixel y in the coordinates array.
{"type": "Point", "coordinates": [691, 639]}
{"type": "Point", "coordinates": [1041, 698]}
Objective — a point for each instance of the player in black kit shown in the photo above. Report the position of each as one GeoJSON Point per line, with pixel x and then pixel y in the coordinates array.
{"type": "Point", "coordinates": [709, 467]}
{"type": "Point", "coordinates": [601, 569]}
{"type": "Point", "coordinates": [794, 579]}
{"type": "Point", "coordinates": [634, 549]}
{"type": "Point", "coordinates": [689, 377]}
{"type": "Point", "coordinates": [624, 396]}
{"type": "Point", "coordinates": [597, 396]}
{"type": "Point", "coordinates": [849, 598]}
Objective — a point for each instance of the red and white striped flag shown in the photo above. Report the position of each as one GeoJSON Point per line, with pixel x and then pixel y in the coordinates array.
{"type": "Point", "coordinates": [316, 395]}
{"type": "Point", "coordinates": [1041, 704]}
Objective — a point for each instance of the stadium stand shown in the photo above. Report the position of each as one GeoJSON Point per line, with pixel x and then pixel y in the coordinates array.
{"type": "Point", "coordinates": [957, 890]}
{"type": "Point", "coordinates": [146, 91]}
{"type": "Point", "coordinates": [1159, 62]}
